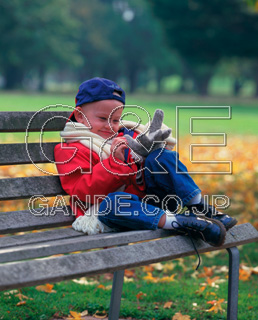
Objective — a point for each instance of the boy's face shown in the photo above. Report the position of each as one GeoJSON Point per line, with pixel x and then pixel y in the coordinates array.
{"type": "Point", "coordinates": [101, 116]}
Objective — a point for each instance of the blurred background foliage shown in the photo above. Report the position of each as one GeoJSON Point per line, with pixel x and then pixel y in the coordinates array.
{"type": "Point", "coordinates": [183, 46]}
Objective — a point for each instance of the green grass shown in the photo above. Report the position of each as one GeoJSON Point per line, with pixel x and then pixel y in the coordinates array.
{"type": "Point", "coordinates": [182, 292]}
{"type": "Point", "coordinates": [244, 111]}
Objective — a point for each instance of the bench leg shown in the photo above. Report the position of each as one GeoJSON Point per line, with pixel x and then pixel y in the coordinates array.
{"type": "Point", "coordinates": [233, 279]}
{"type": "Point", "coordinates": [117, 287]}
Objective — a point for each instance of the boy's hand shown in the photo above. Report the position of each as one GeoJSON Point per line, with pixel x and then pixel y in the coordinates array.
{"type": "Point", "coordinates": [154, 139]}
{"type": "Point", "coordinates": [118, 147]}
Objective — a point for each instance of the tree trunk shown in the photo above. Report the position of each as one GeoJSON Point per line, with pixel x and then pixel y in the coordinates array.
{"type": "Point", "coordinates": [13, 77]}
{"type": "Point", "coordinates": [159, 78]}
{"type": "Point", "coordinates": [237, 86]}
{"type": "Point", "coordinates": [132, 80]}
{"type": "Point", "coordinates": [202, 82]}
{"type": "Point", "coordinates": [42, 73]}
{"type": "Point", "coordinates": [256, 89]}
{"type": "Point", "coordinates": [255, 77]}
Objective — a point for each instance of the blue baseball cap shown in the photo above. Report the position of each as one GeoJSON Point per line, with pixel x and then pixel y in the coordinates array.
{"type": "Point", "coordinates": [97, 89]}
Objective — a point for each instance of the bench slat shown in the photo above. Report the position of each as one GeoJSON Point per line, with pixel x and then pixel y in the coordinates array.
{"type": "Point", "coordinates": [66, 267]}
{"type": "Point", "coordinates": [20, 153]}
{"type": "Point", "coordinates": [18, 121]}
{"type": "Point", "coordinates": [37, 237]}
{"type": "Point", "coordinates": [24, 220]}
{"type": "Point", "coordinates": [46, 248]}
{"type": "Point", "coordinates": [22, 188]}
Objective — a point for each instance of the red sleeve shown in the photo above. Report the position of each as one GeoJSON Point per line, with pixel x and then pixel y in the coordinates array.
{"type": "Point", "coordinates": [82, 173]}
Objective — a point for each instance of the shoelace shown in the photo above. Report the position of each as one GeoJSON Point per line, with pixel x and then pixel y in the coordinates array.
{"type": "Point", "coordinates": [190, 237]}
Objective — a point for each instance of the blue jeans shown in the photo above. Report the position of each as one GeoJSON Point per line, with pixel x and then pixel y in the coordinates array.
{"type": "Point", "coordinates": [165, 189]}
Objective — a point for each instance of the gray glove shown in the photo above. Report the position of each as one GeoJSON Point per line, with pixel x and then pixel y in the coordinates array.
{"type": "Point", "coordinates": [145, 143]}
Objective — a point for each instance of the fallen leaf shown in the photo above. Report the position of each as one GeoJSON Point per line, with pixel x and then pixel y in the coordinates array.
{"type": "Point", "coordinates": [181, 263]}
{"type": "Point", "coordinates": [75, 315]}
{"type": "Point", "coordinates": [179, 316]}
{"type": "Point", "coordinates": [244, 275]}
{"type": "Point", "coordinates": [46, 288]}
{"type": "Point", "coordinates": [200, 291]}
{"type": "Point", "coordinates": [216, 306]}
{"type": "Point", "coordinates": [255, 270]}
{"type": "Point", "coordinates": [10, 292]}
{"type": "Point", "coordinates": [210, 294]}
{"type": "Point", "coordinates": [158, 266]}
{"type": "Point", "coordinates": [140, 295]}
{"type": "Point", "coordinates": [130, 273]}
{"type": "Point", "coordinates": [211, 254]}
{"type": "Point", "coordinates": [100, 314]}
{"type": "Point", "coordinates": [208, 272]}
{"type": "Point", "coordinates": [101, 286]}
{"type": "Point", "coordinates": [167, 305]}
{"type": "Point", "coordinates": [150, 278]}
{"type": "Point", "coordinates": [128, 279]}
{"type": "Point", "coordinates": [56, 315]}
{"type": "Point", "coordinates": [221, 269]}
{"type": "Point", "coordinates": [21, 303]}
{"type": "Point", "coordinates": [167, 279]}
{"type": "Point", "coordinates": [22, 297]}
{"type": "Point", "coordinates": [85, 282]}
{"type": "Point", "coordinates": [108, 276]}
{"type": "Point", "coordinates": [84, 313]}
{"type": "Point", "coordinates": [167, 267]}
{"type": "Point", "coordinates": [195, 306]}
{"type": "Point", "coordinates": [148, 268]}
{"type": "Point", "coordinates": [250, 307]}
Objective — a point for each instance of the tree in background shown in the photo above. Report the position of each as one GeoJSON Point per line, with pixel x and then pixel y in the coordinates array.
{"type": "Point", "coordinates": [83, 38]}
{"type": "Point", "coordinates": [204, 32]}
{"type": "Point", "coordinates": [35, 35]}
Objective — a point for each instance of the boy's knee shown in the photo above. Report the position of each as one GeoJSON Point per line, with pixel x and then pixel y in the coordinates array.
{"type": "Point", "coordinates": [159, 157]}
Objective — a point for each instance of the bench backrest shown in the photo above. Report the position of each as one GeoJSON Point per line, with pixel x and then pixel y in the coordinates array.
{"type": "Point", "coordinates": [27, 187]}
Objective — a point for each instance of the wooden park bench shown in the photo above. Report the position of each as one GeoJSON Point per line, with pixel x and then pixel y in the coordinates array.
{"type": "Point", "coordinates": [20, 255]}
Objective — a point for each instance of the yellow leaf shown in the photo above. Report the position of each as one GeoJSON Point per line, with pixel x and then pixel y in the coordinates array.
{"type": "Point", "coordinates": [128, 279]}
{"type": "Point", "coordinates": [168, 305]}
{"type": "Point", "coordinates": [201, 289]}
{"type": "Point", "coordinates": [167, 279]}
{"type": "Point", "coordinates": [46, 288]}
{"type": "Point", "coordinates": [150, 278]}
{"type": "Point", "coordinates": [75, 315]}
{"type": "Point", "coordinates": [168, 267]}
{"type": "Point", "coordinates": [250, 307]}
{"type": "Point", "coordinates": [179, 316]}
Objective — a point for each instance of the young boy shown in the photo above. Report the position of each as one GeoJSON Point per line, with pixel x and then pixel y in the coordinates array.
{"type": "Point", "coordinates": [110, 187]}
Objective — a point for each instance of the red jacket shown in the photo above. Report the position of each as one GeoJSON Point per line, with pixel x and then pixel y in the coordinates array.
{"type": "Point", "coordinates": [83, 176]}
